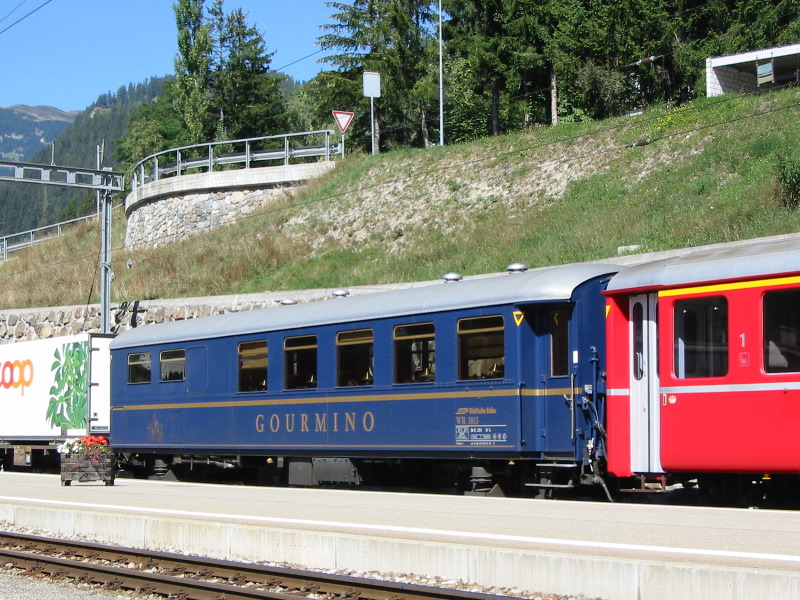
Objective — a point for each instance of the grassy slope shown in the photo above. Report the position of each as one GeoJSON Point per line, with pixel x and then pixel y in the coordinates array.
{"type": "Point", "coordinates": [552, 195]}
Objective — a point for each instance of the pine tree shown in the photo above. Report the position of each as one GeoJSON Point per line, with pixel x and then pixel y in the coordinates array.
{"type": "Point", "coordinates": [193, 77]}
{"type": "Point", "coordinates": [393, 38]}
{"type": "Point", "coordinates": [247, 97]}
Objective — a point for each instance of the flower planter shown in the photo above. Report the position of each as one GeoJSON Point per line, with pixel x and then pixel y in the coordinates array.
{"type": "Point", "coordinates": [88, 467]}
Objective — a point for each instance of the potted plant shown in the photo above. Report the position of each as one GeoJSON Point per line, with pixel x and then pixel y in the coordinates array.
{"type": "Point", "coordinates": [87, 458]}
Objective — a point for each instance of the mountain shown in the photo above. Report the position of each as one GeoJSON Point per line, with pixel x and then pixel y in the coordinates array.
{"type": "Point", "coordinates": [27, 206]}
{"type": "Point", "coordinates": [26, 129]}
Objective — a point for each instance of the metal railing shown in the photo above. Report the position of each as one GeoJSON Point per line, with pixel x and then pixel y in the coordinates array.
{"type": "Point", "coordinates": [26, 239]}
{"type": "Point", "coordinates": [205, 158]}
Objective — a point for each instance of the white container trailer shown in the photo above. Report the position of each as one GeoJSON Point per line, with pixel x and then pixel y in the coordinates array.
{"type": "Point", "coordinates": [51, 390]}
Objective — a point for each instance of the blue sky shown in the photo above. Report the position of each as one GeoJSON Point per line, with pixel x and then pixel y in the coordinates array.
{"type": "Point", "coordinates": [68, 52]}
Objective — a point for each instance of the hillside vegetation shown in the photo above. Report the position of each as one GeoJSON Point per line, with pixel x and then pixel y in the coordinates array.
{"type": "Point", "coordinates": [671, 178]}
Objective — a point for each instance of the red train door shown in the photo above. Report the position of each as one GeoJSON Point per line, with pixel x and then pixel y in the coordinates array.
{"type": "Point", "coordinates": [644, 392]}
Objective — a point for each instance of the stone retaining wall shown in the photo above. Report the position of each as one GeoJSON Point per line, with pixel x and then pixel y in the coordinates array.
{"type": "Point", "coordinates": [34, 324]}
{"type": "Point", "coordinates": [170, 209]}
{"type": "Point", "coordinates": [174, 218]}
{"type": "Point", "coordinates": [20, 325]}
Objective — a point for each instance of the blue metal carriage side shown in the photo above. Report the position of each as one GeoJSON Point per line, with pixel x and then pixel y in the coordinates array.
{"type": "Point", "coordinates": [487, 380]}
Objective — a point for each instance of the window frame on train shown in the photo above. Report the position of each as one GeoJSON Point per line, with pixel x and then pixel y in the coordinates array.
{"type": "Point", "coordinates": [253, 365]}
{"type": "Point", "coordinates": [355, 357]}
{"type": "Point", "coordinates": [558, 327]}
{"type": "Point", "coordinates": [301, 362]}
{"type": "Point", "coordinates": [414, 352]}
{"type": "Point", "coordinates": [476, 337]}
{"type": "Point", "coordinates": [781, 327]}
{"type": "Point", "coordinates": [172, 365]}
{"type": "Point", "coordinates": [701, 346]}
{"type": "Point", "coordinates": [140, 367]}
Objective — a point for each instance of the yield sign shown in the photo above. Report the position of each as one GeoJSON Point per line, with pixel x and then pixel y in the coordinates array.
{"type": "Point", "coordinates": [343, 119]}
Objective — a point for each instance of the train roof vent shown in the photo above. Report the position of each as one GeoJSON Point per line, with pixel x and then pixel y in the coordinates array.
{"type": "Point", "coordinates": [452, 276]}
{"type": "Point", "coordinates": [517, 268]}
{"type": "Point", "coordinates": [340, 293]}
{"type": "Point", "coordinates": [287, 301]}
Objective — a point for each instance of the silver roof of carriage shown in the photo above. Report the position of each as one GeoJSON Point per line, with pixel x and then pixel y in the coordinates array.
{"type": "Point", "coordinates": [748, 259]}
{"type": "Point", "coordinates": [536, 285]}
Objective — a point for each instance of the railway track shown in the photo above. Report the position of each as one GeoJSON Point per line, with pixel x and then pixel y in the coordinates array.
{"type": "Point", "coordinates": [180, 577]}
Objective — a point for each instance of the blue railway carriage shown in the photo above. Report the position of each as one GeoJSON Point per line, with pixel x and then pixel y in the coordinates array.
{"type": "Point", "coordinates": [488, 385]}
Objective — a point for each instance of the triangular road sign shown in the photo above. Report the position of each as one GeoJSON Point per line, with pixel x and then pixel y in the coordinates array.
{"type": "Point", "coordinates": [343, 119]}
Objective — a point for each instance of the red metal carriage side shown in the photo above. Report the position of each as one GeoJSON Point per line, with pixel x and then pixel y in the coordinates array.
{"type": "Point", "coordinates": [704, 362]}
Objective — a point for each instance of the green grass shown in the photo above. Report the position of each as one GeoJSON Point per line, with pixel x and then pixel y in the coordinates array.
{"type": "Point", "coordinates": [671, 178]}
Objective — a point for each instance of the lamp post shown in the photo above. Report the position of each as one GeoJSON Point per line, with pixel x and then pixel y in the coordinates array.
{"type": "Point", "coordinates": [441, 80]}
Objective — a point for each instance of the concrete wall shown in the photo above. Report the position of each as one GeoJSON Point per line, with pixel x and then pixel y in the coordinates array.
{"type": "Point", "coordinates": [720, 80]}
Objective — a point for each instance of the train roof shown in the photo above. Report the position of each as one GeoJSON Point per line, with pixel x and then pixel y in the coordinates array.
{"type": "Point", "coordinates": [748, 259]}
{"type": "Point", "coordinates": [536, 285]}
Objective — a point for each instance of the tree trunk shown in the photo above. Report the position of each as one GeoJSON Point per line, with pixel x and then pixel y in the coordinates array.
{"type": "Point", "coordinates": [376, 139]}
{"type": "Point", "coordinates": [423, 123]}
{"type": "Point", "coordinates": [553, 97]}
{"type": "Point", "coordinates": [495, 107]}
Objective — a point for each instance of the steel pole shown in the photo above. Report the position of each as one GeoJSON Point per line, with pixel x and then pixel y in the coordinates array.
{"type": "Point", "coordinates": [441, 80]}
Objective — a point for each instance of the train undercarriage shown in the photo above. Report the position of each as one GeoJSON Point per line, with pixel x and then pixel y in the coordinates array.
{"type": "Point", "coordinates": [513, 478]}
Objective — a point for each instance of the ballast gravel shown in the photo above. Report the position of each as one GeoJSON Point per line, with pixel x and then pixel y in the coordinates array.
{"type": "Point", "coordinates": [14, 586]}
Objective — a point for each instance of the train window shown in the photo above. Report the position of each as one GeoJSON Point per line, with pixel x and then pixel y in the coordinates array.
{"type": "Point", "coordinates": [253, 366]}
{"type": "Point", "coordinates": [139, 367]}
{"type": "Point", "coordinates": [559, 343]}
{"type": "Point", "coordinates": [414, 353]}
{"type": "Point", "coordinates": [701, 337]}
{"type": "Point", "coordinates": [782, 331]}
{"type": "Point", "coordinates": [638, 341]}
{"type": "Point", "coordinates": [173, 365]}
{"type": "Point", "coordinates": [354, 357]}
{"type": "Point", "coordinates": [300, 359]}
{"type": "Point", "coordinates": [481, 353]}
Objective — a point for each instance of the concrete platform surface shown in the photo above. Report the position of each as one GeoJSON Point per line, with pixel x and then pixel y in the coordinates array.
{"type": "Point", "coordinates": [613, 551]}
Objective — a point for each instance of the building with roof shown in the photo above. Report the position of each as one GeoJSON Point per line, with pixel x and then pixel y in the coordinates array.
{"type": "Point", "coordinates": [752, 71]}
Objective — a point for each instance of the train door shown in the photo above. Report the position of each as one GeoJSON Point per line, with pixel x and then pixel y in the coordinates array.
{"type": "Point", "coordinates": [644, 389]}
{"type": "Point", "coordinates": [559, 383]}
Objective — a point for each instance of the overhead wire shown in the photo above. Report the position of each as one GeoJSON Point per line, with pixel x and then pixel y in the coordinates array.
{"type": "Point", "coordinates": [18, 21]}
{"type": "Point", "coordinates": [13, 10]}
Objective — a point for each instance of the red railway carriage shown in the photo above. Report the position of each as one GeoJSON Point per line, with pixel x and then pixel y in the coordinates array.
{"type": "Point", "coordinates": [704, 364]}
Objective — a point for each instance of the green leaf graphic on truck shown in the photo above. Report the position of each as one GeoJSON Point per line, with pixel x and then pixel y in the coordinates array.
{"type": "Point", "coordinates": [68, 396]}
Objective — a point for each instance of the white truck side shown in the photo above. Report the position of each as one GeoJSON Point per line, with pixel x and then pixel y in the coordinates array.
{"type": "Point", "coordinates": [51, 390]}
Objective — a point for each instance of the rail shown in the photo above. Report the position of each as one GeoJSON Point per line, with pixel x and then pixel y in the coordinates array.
{"type": "Point", "coordinates": [173, 575]}
{"type": "Point", "coordinates": [247, 152]}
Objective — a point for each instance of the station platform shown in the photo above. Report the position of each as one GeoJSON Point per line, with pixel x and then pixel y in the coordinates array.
{"type": "Point", "coordinates": [597, 550]}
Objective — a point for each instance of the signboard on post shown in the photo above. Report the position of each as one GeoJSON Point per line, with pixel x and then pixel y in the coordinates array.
{"type": "Point", "coordinates": [372, 90]}
{"type": "Point", "coordinates": [372, 84]}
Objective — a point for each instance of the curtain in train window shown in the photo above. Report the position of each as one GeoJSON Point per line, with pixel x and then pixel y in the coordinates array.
{"type": "Point", "coordinates": [354, 357]}
{"type": "Point", "coordinates": [782, 331]}
{"type": "Point", "coordinates": [173, 365]}
{"type": "Point", "coordinates": [253, 366]}
{"type": "Point", "coordinates": [701, 337]}
{"type": "Point", "coordinates": [139, 367]}
{"type": "Point", "coordinates": [414, 353]}
{"type": "Point", "coordinates": [481, 351]}
{"type": "Point", "coordinates": [300, 359]}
